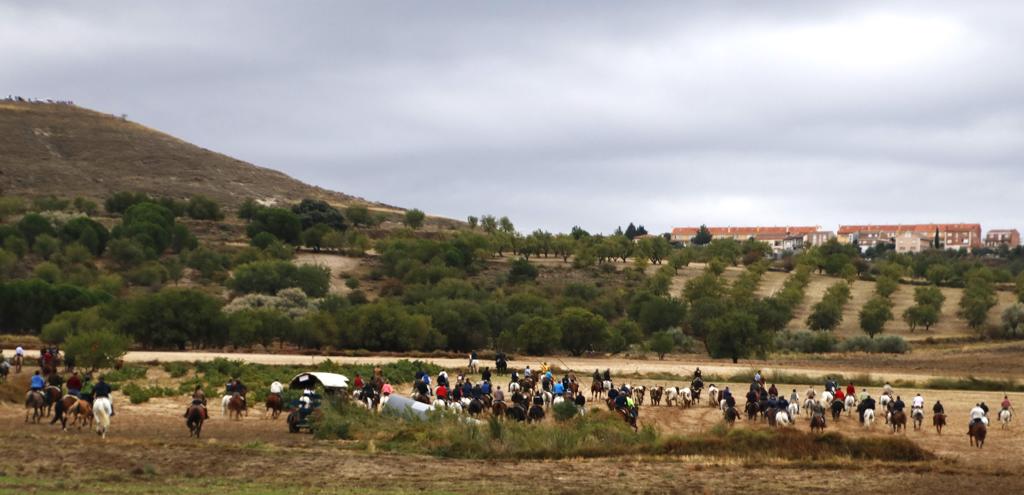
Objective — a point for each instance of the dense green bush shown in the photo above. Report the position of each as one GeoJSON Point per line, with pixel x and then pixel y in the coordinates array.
{"type": "Point", "coordinates": [888, 344]}
{"type": "Point", "coordinates": [269, 277]}
{"type": "Point", "coordinates": [805, 342]}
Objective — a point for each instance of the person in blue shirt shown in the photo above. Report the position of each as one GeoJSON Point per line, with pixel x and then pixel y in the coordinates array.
{"type": "Point", "coordinates": [485, 387]}
{"type": "Point", "coordinates": [37, 382]}
{"type": "Point", "coordinates": [559, 388]}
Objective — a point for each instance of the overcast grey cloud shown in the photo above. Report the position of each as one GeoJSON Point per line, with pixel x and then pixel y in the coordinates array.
{"type": "Point", "coordinates": [596, 113]}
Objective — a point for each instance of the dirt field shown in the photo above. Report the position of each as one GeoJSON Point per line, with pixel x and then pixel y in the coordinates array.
{"type": "Point", "coordinates": [149, 451]}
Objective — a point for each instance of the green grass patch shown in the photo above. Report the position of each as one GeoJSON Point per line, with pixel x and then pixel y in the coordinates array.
{"type": "Point", "coordinates": [138, 394]}
{"type": "Point", "coordinates": [597, 434]}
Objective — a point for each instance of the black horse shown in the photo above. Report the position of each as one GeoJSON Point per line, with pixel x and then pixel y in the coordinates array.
{"type": "Point", "coordinates": [516, 412]}
{"type": "Point", "coordinates": [837, 409]}
{"type": "Point", "coordinates": [752, 409]}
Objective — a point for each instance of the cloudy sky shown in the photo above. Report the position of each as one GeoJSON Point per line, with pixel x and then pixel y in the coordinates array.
{"type": "Point", "coordinates": [563, 113]}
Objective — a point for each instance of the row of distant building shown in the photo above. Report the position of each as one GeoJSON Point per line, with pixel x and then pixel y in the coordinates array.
{"type": "Point", "coordinates": [912, 238]}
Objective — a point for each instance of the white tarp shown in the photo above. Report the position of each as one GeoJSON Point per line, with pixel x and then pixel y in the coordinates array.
{"type": "Point", "coordinates": [309, 380]}
{"type": "Point", "coordinates": [402, 404]}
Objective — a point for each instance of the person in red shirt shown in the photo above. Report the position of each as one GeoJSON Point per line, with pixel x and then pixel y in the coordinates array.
{"type": "Point", "coordinates": [840, 396]}
{"type": "Point", "coordinates": [850, 390]}
{"type": "Point", "coordinates": [442, 392]}
{"type": "Point", "coordinates": [358, 382]}
{"type": "Point", "coordinates": [74, 385]}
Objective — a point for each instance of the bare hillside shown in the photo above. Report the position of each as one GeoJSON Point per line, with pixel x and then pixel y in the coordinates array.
{"type": "Point", "coordinates": [70, 151]}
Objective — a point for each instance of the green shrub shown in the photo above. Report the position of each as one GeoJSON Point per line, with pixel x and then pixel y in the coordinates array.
{"type": "Point", "coordinates": [177, 369]}
{"type": "Point", "coordinates": [888, 344]}
{"type": "Point", "coordinates": [805, 342]}
{"type": "Point", "coordinates": [138, 395]}
{"type": "Point", "coordinates": [565, 411]}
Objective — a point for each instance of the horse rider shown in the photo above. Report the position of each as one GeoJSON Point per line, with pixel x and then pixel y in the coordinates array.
{"type": "Point", "coordinates": [751, 396]}
{"type": "Point", "coordinates": [472, 358]}
{"type": "Point", "coordinates": [581, 402]}
{"type": "Point", "coordinates": [840, 396]}
{"type": "Point", "coordinates": [851, 391]}
{"type": "Point", "coordinates": [74, 385]}
{"type": "Point", "coordinates": [37, 384]}
{"type": "Point", "coordinates": [898, 404]}
{"type": "Point", "coordinates": [727, 394]}
{"type": "Point", "coordinates": [818, 410]}
{"type": "Point", "coordinates": [357, 382]}
{"type": "Point", "coordinates": [697, 373]}
{"type": "Point", "coordinates": [607, 374]}
{"type": "Point", "coordinates": [386, 389]}
{"type": "Point", "coordinates": [1006, 406]}
{"type": "Point", "coordinates": [102, 389]}
{"type": "Point", "coordinates": [55, 380]}
{"type": "Point", "coordinates": [795, 398]}
{"type": "Point", "coordinates": [772, 391]}
{"type": "Point", "coordinates": [730, 401]}
{"type": "Point", "coordinates": [515, 376]}
{"type": "Point", "coordinates": [199, 399]}
{"type": "Point", "coordinates": [597, 376]}
{"type": "Point", "coordinates": [467, 389]}
{"type": "Point", "coordinates": [545, 367]}
{"type": "Point", "coordinates": [757, 377]}
{"type": "Point", "coordinates": [442, 378]}
{"type": "Point", "coordinates": [486, 375]}
{"type": "Point", "coordinates": [783, 404]}
{"type": "Point", "coordinates": [476, 392]}
{"type": "Point", "coordinates": [830, 385]}
{"type": "Point", "coordinates": [527, 373]}
{"type": "Point", "coordinates": [485, 388]}
{"type": "Point", "coordinates": [441, 392]}
{"type": "Point", "coordinates": [810, 394]}
{"type": "Point", "coordinates": [938, 409]}
{"type": "Point", "coordinates": [977, 414]}
{"type": "Point", "coordinates": [887, 389]}
{"type": "Point", "coordinates": [863, 394]}
{"type": "Point", "coordinates": [559, 389]}
{"type": "Point", "coordinates": [865, 403]}
{"type": "Point", "coordinates": [917, 403]}
{"type": "Point", "coordinates": [499, 395]}
{"type": "Point", "coordinates": [19, 356]}
{"type": "Point", "coordinates": [984, 408]}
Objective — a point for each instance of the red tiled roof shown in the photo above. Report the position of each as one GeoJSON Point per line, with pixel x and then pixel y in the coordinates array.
{"type": "Point", "coordinates": [929, 227]}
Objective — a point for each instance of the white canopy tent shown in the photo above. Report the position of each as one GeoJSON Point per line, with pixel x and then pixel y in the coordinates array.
{"type": "Point", "coordinates": [310, 379]}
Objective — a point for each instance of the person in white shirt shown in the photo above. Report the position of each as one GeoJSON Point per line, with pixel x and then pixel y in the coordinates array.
{"type": "Point", "coordinates": [527, 373]}
{"type": "Point", "coordinates": [977, 414]}
{"type": "Point", "coordinates": [276, 387]}
{"type": "Point", "coordinates": [918, 402]}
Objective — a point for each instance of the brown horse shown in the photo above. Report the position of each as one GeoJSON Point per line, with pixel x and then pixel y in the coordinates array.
{"type": "Point", "coordinates": [82, 411]}
{"type": "Point", "coordinates": [63, 411]}
{"type": "Point", "coordinates": [236, 406]}
{"type": "Point", "coordinates": [498, 409]}
{"type": "Point", "coordinates": [628, 418]}
{"type": "Point", "coordinates": [194, 418]}
{"type": "Point", "coordinates": [51, 395]}
{"type": "Point", "coordinates": [731, 415]}
{"type": "Point", "coordinates": [817, 423]}
{"type": "Point", "coordinates": [939, 420]}
{"type": "Point", "coordinates": [656, 395]}
{"type": "Point", "coordinates": [898, 422]}
{"type": "Point", "coordinates": [37, 403]}
{"type": "Point", "coordinates": [274, 405]}
{"type": "Point", "coordinates": [977, 433]}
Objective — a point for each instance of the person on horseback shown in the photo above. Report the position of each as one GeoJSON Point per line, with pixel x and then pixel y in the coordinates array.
{"type": "Point", "coordinates": [984, 408]}
{"type": "Point", "coordinates": [527, 373]}
{"type": "Point", "coordinates": [607, 375]}
{"type": "Point", "coordinates": [559, 389]}
{"type": "Point", "coordinates": [1006, 406]}
{"type": "Point", "coordinates": [794, 397]}
{"type": "Point", "coordinates": [898, 404]}
{"type": "Point", "coordinates": [840, 396]}
{"type": "Point", "coordinates": [783, 405]}
{"type": "Point", "coordinates": [757, 377]}
{"type": "Point", "coordinates": [727, 394]}
{"type": "Point", "coordinates": [515, 376]}
{"type": "Point", "coordinates": [977, 414]}
{"type": "Point", "coordinates": [37, 384]}
{"type": "Point", "coordinates": [386, 389]}
{"type": "Point", "coordinates": [486, 375]}
{"type": "Point", "coordinates": [476, 391]}
{"type": "Point", "coordinates": [472, 358]}
{"type": "Point", "coordinates": [887, 389]}
{"type": "Point", "coordinates": [545, 367]}
{"type": "Point", "coordinates": [938, 408]}
{"type": "Point", "coordinates": [918, 402]}
{"type": "Point", "coordinates": [485, 388]}
{"type": "Point", "coordinates": [829, 385]}
{"type": "Point", "coordinates": [499, 395]}
{"type": "Point", "coordinates": [467, 388]}
{"type": "Point", "coordinates": [752, 396]}
{"type": "Point", "coordinates": [730, 401]}
{"type": "Point", "coordinates": [865, 403]}
{"type": "Point", "coordinates": [442, 392]}
{"type": "Point", "coordinates": [772, 391]}
{"type": "Point", "coordinates": [357, 382]}
{"type": "Point", "coordinates": [810, 393]}
{"type": "Point", "coordinates": [102, 389]}
{"type": "Point", "coordinates": [597, 376]}
{"type": "Point", "coordinates": [55, 380]}
{"type": "Point", "coordinates": [851, 391]}
{"type": "Point", "coordinates": [74, 385]}
{"type": "Point", "coordinates": [421, 388]}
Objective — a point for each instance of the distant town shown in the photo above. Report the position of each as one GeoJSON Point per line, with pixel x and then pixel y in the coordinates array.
{"type": "Point", "coordinates": [909, 238]}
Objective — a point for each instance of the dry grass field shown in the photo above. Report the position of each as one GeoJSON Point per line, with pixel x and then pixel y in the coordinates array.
{"type": "Point", "coordinates": [149, 451]}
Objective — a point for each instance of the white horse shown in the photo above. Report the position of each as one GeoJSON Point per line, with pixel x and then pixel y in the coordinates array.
{"type": "Point", "coordinates": [224, 405]}
{"type": "Point", "coordinates": [548, 397]}
{"type": "Point", "coordinates": [869, 417]}
{"type": "Point", "coordinates": [884, 400]}
{"type": "Point", "coordinates": [782, 419]}
{"type": "Point", "coordinates": [851, 404]}
{"type": "Point", "coordinates": [671, 395]}
{"type": "Point", "coordinates": [474, 365]}
{"type": "Point", "coordinates": [794, 409]}
{"type": "Point", "coordinates": [101, 410]}
{"type": "Point", "coordinates": [713, 397]}
{"type": "Point", "coordinates": [687, 397]}
{"type": "Point", "coordinates": [809, 404]}
{"type": "Point", "coordinates": [557, 400]}
{"type": "Point", "coordinates": [514, 387]}
{"type": "Point", "coordinates": [723, 405]}
{"type": "Point", "coordinates": [826, 398]}
{"type": "Point", "coordinates": [1004, 417]}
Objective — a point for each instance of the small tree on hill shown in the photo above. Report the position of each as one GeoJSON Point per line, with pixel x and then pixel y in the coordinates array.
{"type": "Point", "coordinates": [874, 315]}
{"type": "Point", "coordinates": [662, 343]}
{"type": "Point", "coordinates": [414, 218]}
